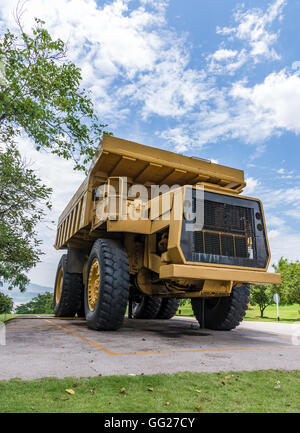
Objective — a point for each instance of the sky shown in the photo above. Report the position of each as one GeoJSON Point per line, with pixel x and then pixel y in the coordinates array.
{"type": "Point", "coordinates": [214, 79]}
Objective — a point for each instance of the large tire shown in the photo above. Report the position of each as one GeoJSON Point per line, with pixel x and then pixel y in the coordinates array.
{"type": "Point", "coordinates": [107, 309]}
{"type": "Point", "coordinates": [148, 308]}
{"type": "Point", "coordinates": [168, 309]}
{"type": "Point", "coordinates": [68, 291]}
{"type": "Point", "coordinates": [223, 313]}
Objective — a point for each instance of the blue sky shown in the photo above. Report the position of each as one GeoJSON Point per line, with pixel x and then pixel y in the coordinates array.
{"type": "Point", "coordinates": [215, 79]}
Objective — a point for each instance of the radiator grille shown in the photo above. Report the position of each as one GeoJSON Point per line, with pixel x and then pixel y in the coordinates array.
{"type": "Point", "coordinates": [227, 231]}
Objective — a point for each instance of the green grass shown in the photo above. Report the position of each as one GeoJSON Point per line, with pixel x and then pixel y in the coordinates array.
{"type": "Point", "coordinates": [7, 316]}
{"type": "Point", "coordinates": [241, 392]}
{"type": "Point", "coordinates": [11, 316]}
{"type": "Point", "coordinates": [287, 313]}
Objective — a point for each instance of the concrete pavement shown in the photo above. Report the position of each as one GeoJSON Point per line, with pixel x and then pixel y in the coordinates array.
{"type": "Point", "coordinates": [40, 347]}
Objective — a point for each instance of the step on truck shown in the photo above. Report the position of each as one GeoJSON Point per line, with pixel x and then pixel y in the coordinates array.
{"type": "Point", "coordinates": [149, 227]}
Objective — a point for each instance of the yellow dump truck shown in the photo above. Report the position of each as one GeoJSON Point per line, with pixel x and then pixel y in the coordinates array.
{"type": "Point", "coordinates": [149, 227]}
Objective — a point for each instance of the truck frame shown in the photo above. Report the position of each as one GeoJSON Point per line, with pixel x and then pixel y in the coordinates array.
{"type": "Point", "coordinates": [149, 227]}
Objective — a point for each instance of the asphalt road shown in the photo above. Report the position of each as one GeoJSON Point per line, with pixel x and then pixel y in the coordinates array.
{"type": "Point", "coordinates": [40, 347]}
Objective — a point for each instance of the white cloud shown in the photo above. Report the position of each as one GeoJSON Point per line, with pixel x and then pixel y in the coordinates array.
{"type": "Point", "coordinates": [276, 101]}
{"type": "Point", "coordinates": [272, 234]}
{"type": "Point", "coordinates": [250, 114]}
{"type": "Point", "coordinates": [251, 186]}
{"type": "Point", "coordinates": [275, 221]}
{"type": "Point", "coordinates": [108, 42]}
{"type": "Point", "coordinates": [294, 213]}
{"type": "Point", "coordinates": [223, 54]}
{"type": "Point", "coordinates": [254, 28]}
{"type": "Point", "coordinates": [178, 138]}
{"type": "Point", "coordinates": [133, 61]}
{"type": "Point", "coordinates": [285, 244]}
{"type": "Point", "coordinates": [59, 175]}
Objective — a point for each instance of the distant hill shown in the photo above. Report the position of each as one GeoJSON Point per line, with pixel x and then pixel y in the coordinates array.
{"type": "Point", "coordinates": [32, 290]}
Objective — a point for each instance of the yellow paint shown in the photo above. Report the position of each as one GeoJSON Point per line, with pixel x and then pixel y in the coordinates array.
{"type": "Point", "coordinates": [165, 352]}
{"type": "Point", "coordinates": [93, 284]}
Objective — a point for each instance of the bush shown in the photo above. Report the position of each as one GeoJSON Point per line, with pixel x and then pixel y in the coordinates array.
{"type": "Point", "coordinates": [6, 304]}
{"type": "Point", "coordinates": [41, 304]}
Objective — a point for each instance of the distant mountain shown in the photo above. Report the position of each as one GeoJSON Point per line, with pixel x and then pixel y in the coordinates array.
{"type": "Point", "coordinates": [32, 290]}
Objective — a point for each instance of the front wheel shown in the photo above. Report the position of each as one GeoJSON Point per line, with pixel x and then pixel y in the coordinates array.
{"type": "Point", "coordinates": [223, 313]}
{"type": "Point", "coordinates": [107, 285]}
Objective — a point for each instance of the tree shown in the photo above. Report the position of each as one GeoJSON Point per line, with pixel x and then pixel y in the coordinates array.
{"type": "Point", "coordinates": [41, 304]}
{"type": "Point", "coordinates": [262, 296]}
{"type": "Point", "coordinates": [22, 201]}
{"type": "Point", "coordinates": [6, 304]}
{"type": "Point", "coordinates": [40, 95]}
{"type": "Point", "coordinates": [290, 275]}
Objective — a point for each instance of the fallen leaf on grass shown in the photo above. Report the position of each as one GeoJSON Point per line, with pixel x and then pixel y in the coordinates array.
{"type": "Point", "coordinates": [198, 407]}
{"type": "Point", "coordinates": [150, 389]}
{"type": "Point", "coordinates": [167, 403]}
{"type": "Point", "coordinates": [198, 390]}
{"type": "Point", "coordinates": [75, 384]}
{"type": "Point", "coordinates": [227, 377]}
{"type": "Point", "coordinates": [131, 374]}
{"type": "Point", "coordinates": [287, 404]}
{"type": "Point", "coordinates": [223, 383]}
{"type": "Point", "coordinates": [64, 399]}
{"type": "Point", "coordinates": [70, 391]}
{"type": "Point", "coordinates": [278, 382]}
{"type": "Point", "coordinates": [123, 389]}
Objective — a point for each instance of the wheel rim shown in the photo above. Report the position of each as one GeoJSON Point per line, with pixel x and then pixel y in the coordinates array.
{"type": "Point", "coordinates": [93, 285]}
{"type": "Point", "coordinates": [59, 283]}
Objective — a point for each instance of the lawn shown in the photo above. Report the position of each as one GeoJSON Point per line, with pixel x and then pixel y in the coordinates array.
{"type": "Point", "coordinates": [181, 392]}
{"type": "Point", "coordinates": [11, 316]}
{"type": "Point", "coordinates": [287, 313]}
{"type": "Point", "coordinates": [6, 317]}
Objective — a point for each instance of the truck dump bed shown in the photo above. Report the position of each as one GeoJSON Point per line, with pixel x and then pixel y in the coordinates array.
{"type": "Point", "coordinates": [141, 165]}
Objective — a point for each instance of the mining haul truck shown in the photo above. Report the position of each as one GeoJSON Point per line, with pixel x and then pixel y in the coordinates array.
{"type": "Point", "coordinates": [149, 227]}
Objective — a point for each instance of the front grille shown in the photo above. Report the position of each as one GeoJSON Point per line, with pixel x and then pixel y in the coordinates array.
{"type": "Point", "coordinates": [233, 232]}
{"type": "Point", "coordinates": [227, 231]}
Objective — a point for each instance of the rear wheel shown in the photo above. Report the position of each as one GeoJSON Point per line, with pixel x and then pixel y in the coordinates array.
{"type": "Point", "coordinates": [147, 308]}
{"type": "Point", "coordinates": [68, 291]}
{"type": "Point", "coordinates": [223, 313]}
{"type": "Point", "coordinates": [107, 285]}
{"type": "Point", "coordinates": [168, 309]}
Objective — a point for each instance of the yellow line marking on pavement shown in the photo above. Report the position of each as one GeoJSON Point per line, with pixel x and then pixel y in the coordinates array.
{"type": "Point", "coordinates": [87, 340]}
{"type": "Point", "coordinates": [163, 352]}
